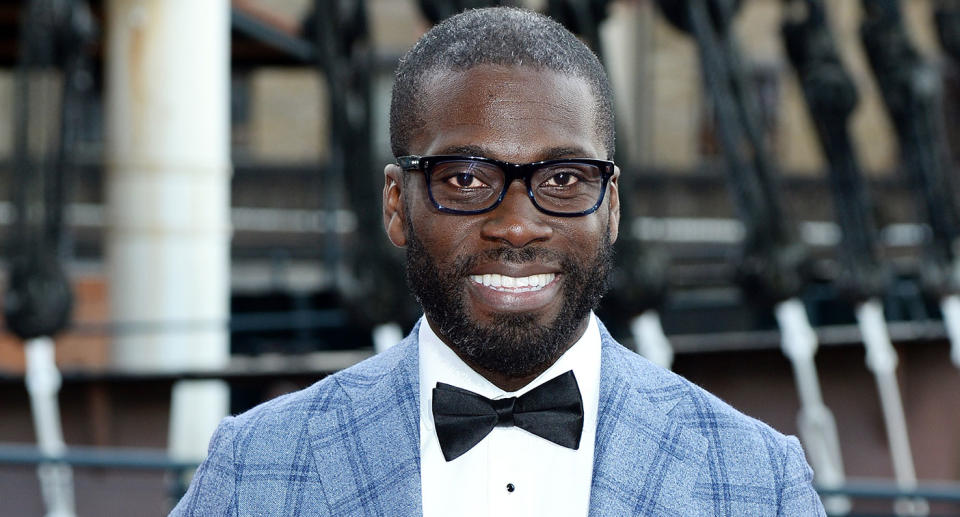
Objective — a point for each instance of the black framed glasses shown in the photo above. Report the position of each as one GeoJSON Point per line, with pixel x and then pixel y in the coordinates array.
{"type": "Point", "coordinates": [468, 185]}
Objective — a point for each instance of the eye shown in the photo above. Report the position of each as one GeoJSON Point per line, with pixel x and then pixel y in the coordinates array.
{"type": "Point", "coordinates": [461, 177]}
{"type": "Point", "coordinates": [561, 179]}
{"type": "Point", "coordinates": [466, 180]}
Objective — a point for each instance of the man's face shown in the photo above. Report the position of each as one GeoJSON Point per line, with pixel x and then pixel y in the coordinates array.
{"type": "Point", "coordinates": [520, 115]}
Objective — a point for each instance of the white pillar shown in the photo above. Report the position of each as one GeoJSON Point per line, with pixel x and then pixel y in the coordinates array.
{"type": "Point", "coordinates": [167, 196]}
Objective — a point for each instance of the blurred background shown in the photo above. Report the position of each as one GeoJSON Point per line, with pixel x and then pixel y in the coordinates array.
{"type": "Point", "coordinates": [190, 225]}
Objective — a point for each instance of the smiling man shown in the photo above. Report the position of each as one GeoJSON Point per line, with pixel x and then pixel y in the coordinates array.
{"type": "Point", "coordinates": [509, 397]}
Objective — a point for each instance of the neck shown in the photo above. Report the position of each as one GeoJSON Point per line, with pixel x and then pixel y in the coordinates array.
{"type": "Point", "coordinates": [506, 382]}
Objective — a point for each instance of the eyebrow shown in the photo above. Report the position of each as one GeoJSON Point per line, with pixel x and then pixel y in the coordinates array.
{"type": "Point", "coordinates": [552, 153]}
{"type": "Point", "coordinates": [465, 150]}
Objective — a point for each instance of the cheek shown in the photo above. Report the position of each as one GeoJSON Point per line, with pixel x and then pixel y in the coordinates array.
{"type": "Point", "coordinates": [446, 238]}
{"type": "Point", "coordinates": [583, 240]}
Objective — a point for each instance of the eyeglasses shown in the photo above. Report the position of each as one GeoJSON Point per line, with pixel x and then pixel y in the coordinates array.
{"type": "Point", "coordinates": [468, 185]}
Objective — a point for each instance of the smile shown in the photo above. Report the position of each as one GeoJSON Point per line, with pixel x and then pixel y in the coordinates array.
{"type": "Point", "coordinates": [514, 284]}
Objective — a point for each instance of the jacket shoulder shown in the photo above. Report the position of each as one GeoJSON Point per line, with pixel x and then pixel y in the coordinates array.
{"type": "Point", "coordinates": [743, 457]}
{"type": "Point", "coordinates": [262, 462]}
{"type": "Point", "coordinates": [694, 406]}
{"type": "Point", "coordinates": [339, 389]}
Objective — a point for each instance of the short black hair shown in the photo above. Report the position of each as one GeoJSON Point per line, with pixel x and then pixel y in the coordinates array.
{"type": "Point", "coordinates": [495, 36]}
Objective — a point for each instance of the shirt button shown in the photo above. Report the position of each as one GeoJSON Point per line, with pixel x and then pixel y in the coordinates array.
{"type": "Point", "coordinates": [510, 487]}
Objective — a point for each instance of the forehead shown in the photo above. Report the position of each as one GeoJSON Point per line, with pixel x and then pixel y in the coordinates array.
{"type": "Point", "coordinates": [512, 113]}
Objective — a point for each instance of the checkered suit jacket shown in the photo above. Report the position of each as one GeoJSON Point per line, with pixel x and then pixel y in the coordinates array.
{"type": "Point", "coordinates": [349, 446]}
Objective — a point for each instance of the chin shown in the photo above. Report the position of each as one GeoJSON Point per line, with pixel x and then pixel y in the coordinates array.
{"type": "Point", "coordinates": [512, 344]}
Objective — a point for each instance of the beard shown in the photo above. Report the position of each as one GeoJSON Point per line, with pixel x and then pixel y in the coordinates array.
{"type": "Point", "coordinates": [516, 345]}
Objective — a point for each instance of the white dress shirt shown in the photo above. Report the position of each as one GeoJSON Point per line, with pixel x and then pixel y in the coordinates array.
{"type": "Point", "coordinates": [511, 471]}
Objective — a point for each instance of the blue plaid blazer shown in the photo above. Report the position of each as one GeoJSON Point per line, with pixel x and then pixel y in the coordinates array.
{"type": "Point", "coordinates": [350, 446]}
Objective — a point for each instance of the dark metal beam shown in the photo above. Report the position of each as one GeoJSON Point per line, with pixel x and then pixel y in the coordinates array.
{"type": "Point", "coordinates": [265, 33]}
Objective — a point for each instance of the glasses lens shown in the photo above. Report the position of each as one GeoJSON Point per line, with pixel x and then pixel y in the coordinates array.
{"type": "Point", "coordinates": [466, 184]}
{"type": "Point", "coordinates": [567, 187]}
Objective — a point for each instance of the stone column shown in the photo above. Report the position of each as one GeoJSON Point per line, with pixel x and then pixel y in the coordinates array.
{"type": "Point", "coordinates": [167, 197]}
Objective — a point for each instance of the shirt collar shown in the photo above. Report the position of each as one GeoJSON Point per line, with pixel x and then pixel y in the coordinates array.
{"type": "Point", "coordinates": [438, 363]}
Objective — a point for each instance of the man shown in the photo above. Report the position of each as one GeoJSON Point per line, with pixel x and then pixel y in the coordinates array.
{"type": "Point", "coordinates": [508, 397]}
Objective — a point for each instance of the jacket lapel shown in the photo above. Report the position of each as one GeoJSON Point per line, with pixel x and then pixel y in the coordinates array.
{"type": "Point", "coordinates": [367, 441]}
{"type": "Point", "coordinates": [646, 460]}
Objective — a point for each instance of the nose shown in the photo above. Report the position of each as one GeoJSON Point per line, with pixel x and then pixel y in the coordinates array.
{"type": "Point", "coordinates": [516, 222]}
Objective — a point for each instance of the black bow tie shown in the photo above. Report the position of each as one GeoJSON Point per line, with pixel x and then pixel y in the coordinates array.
{"type": "Point", "coordinates": [552, 410]}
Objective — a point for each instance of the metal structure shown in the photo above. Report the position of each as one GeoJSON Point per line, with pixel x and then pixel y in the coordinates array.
{"type": "Point", "coordinates": [436, 10]}
{"type": "Point", "coordinates": [52, 78]}
{"type": "Point", "coordinates": [912, 93]}
{"type": "Point", "coordinates": [831, 97]}
{"type": "Point", "coordinates": [947, 17]}
{"type": "Point", "coordinates": [771, 267]}
{"type": "Point", "coordinates": [375, 295]}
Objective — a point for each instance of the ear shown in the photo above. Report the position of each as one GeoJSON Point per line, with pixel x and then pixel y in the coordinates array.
{"type": "Point", "coordinates": [614, 212]}
{"type": "Point", "coordinates": [393, 216]}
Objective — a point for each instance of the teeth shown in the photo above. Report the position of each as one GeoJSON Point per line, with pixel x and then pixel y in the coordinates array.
{"type": "Point", "coordinates": [524, 283]}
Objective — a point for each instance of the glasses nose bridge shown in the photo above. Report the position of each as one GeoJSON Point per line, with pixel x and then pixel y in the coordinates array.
{"type": "Point", "coordinates": [515, 171]}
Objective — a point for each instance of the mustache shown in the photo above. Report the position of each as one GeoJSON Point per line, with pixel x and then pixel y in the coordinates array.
{"type": "Point", "coordinates": [524, 255]}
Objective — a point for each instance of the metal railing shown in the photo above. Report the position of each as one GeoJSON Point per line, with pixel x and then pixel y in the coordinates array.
{"type": "Point", "coordinates": [104, 457]}
{"type": "Point", "coordinates": [158, 459]}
